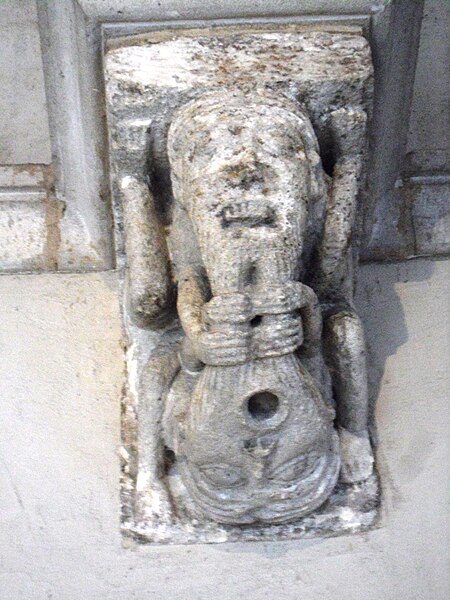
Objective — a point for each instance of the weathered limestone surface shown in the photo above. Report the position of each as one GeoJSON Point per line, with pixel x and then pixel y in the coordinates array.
{"type": "Point", "coordinates": [185, 67]}
{"type": "Point", "coordinates": [23, 231]}
{"type": "Point", "coordinates": [61, 376]}
{"type": "Point", "coordinates": [257, 180]}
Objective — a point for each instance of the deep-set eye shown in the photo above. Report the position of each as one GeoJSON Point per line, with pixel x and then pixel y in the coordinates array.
{"type": "Point", "coordinates": [296, 469]}
{"type": "Point", "coordinates": [223, 475]}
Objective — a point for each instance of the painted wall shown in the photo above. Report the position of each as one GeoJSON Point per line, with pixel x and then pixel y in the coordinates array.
{"type": "Point", "coordinates": [60, 382]}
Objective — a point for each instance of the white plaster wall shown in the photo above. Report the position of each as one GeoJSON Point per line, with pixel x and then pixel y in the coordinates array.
{"type": "Point", "coordinates": [60, 382]}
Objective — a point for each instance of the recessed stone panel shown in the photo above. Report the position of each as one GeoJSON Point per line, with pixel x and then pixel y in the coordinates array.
{"type": "Point", "coordinates": [431, 216]}
{"type": "Point", "coordinates": [24, 131]}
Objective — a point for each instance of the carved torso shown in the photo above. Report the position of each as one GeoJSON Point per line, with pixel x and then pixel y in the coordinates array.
{"type": "Point", "coordinates": [255, 438]}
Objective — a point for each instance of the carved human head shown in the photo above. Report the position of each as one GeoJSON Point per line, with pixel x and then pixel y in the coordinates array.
{"type": "Point", "coordinates": [247, 170]}
{"type": "Point", "coordinates": [256, 443]}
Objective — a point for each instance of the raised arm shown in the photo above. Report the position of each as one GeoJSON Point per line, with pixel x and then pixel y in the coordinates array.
{"type": "Point", "coordinates": [149, 283]}
{"type": "Point", "coordinates": [343, 332]}
{"type": "Point", "coordinates": [348, 131]}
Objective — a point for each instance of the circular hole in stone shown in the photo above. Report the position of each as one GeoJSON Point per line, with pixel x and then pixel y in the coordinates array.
{"type": "Point", "coordinates": [262, 406]}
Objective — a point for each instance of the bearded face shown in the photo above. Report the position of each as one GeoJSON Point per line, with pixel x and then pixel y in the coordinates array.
{"type": "Point", "coordinates": [243, 174]}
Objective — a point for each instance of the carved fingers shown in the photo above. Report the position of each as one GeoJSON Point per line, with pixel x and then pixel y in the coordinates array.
{"type": "Point", "coordinates": [231, 346]}
{"type": "Point", "coordinates": [269, 321]}
{"type": "Point", "coordinates": [229, 308]}
{"type": "Point", "coordinates": [277, 335]}
{"type": "Point", "coordinates": [294, 319]}
{"type": "Point", "coordinates": [222, 348]}
{"type": "Point", "coordinates": [223, 340]}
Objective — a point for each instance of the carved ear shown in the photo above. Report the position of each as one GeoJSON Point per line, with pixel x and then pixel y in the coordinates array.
{"type": "Point", "coordinates": [150, 292]}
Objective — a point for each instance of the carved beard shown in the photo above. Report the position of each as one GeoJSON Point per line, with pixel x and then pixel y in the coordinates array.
{"type": "Point", "coordinates": [243, 174]}
{"type": "Point", "coordinates": [242, 462]}
{"type": "Point", "coordinates": [243, 244]}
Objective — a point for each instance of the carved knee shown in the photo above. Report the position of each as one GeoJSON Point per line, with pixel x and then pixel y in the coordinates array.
{"type": "Point", "coordinates": [345, 328]}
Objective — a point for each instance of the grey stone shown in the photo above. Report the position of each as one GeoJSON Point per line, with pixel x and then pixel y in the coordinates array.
{"type": "Point", "coordinates": [429, 127]}
{"type": "Point", "coordinates": [23, 231]}
{"type": "Point", "coordinates": [394, 41]}
{"type": "Point", "coordinates": [134, 10]}
{"type": "Point", "coordinates": [24, 133]}
{"type": "Point", "coordinates": [430, 207]}
{"type": "Point", "coordinates": [240, 128]}
{"type": "Point", "coordinates": [71, 57]}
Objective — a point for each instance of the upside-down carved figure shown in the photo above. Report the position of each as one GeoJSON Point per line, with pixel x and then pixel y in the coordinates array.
{"type": "Point", "coordinates": [264, 401]}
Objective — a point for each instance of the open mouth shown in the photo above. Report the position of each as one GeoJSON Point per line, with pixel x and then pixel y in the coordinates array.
{"type": "Point", "coordinates": [244, 215]}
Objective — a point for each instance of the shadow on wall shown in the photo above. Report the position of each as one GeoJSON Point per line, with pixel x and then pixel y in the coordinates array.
{"type": "Point", "coordinates": [381, 308]}
{"type": "Point", "coordinates": [383, 317]}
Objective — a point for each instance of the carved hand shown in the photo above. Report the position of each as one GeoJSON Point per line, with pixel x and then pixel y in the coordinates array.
{"type": "Point", "coordinates": [227, 308]}
{"type": "Point", "coordinates": [277, 335]}
{"type": "Point", "coordinates": [284, 330]}
{"type": "Point", "coordinates": [274, 326]}
{"type": "Point", "coordinates": [226, 338]}
{"type": "Point", "coordinates": [280, 330]}
{"type": "Point", "coordinates": [222, 348]}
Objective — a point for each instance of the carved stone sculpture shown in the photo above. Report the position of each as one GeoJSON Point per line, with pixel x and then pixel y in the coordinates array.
{"type": "Point", "coordinates": [254, 411]}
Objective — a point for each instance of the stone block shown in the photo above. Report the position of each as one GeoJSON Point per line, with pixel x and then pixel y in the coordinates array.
{"type": "Point", "coordinates": [24, 131]}
{"type": "Point", "coordinates": [250, 89]}
{"type": "Point", "coordinates": [431, 218]}
{"type": "Point", "coordinates": [23, 231]}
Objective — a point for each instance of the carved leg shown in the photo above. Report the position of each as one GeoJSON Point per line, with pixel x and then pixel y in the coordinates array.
{"type": "Point", "coordinates": [152, 499]}
{"type": "Point", "coordinates": [311, 349]}
{"type": "Point", "coordinates": [346, 355]}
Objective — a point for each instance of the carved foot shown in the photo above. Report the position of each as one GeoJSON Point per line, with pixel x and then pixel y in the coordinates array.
{"type": "Point", "coordinates": [356, 456]}
{"type": "Point", "coordinates": [153, 505]}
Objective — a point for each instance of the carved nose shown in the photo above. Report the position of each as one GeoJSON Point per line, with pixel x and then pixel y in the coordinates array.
{"type": "Point", "coordinates": [261, 446]}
